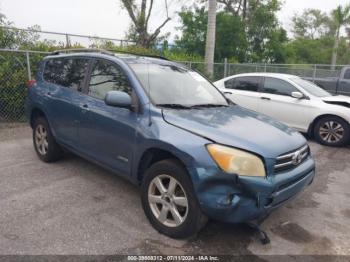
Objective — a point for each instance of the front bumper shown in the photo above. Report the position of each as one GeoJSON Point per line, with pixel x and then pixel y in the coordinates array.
{"type": "Point", "coordinates": [235, 199]}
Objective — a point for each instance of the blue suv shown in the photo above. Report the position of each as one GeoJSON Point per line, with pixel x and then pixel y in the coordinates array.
{"type": "Point", "coordinates": [195, 154]}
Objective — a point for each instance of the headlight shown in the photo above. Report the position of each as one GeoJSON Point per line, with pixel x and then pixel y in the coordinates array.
{"type": "Point", "coordinates": [235, 161]}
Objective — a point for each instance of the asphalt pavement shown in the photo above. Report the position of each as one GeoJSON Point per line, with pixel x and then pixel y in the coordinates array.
{"type": "Point", "coordinates": [75, 207]}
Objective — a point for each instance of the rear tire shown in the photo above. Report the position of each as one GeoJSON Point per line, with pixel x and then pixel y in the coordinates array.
{"type": "Point", "coordinates": [332, 131]}
{"type": "Point", "coordinates": [44, 143]}
{"type": "Point", "coordinates": [169, 200]}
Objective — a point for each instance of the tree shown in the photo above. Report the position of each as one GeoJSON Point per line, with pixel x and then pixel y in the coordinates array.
{"type": "Point", "coordinates": [312, 23]}
{"type": "Point", "coordinates": [236, 7]}
{"type": "Point", "coordinates": [340, 17]}
{"type": "Point", "coordinates": [264, 33]}
{"type": "Point", "coordinates": [259, 38]}
{"type": "Point", "coordinates": [140, 16]}
{"type": "Point", "coordinates": [231, 41]}
{"type": "Point", "coordinates": [193, 31]}
{"type": "Point", "coordinates": [210, 39]}
{"type": "Point", "coordinates": [230, 35]}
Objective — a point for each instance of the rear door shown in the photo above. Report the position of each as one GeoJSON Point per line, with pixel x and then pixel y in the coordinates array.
{"type": "Point", "coordinates": [276, 101]}
{"type": "Point", "coordinates": [244, 91]}
{"type": "Point", "coordinates": [108, 132]}
{"type": "Point", "coordinates": [66, 78]}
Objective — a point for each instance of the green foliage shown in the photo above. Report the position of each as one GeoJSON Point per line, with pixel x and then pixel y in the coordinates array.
{"type": "Point", "coordinates": [257, 38]}
{"type": "Point", "coordinates": [307, 50]}
{"type": "Point", "coordinates": [230, 37]}
{"type": "Point", "coordinates": [312, 23]}
{"type": "Point", "coordinates": [194, 29]}
{"type": "Point", "coordinates": [12, 90]}
{"type": "Point", "coordinates": [265, 35]}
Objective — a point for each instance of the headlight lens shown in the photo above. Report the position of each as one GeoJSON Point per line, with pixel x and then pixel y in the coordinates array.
{"type": "Point", "coordinates": [235, 161]}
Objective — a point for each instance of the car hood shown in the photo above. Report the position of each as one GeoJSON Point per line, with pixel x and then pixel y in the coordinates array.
{"type": "Point", "coordinates": [337, 100]}
{"type": "Point", "coordinates": [238, 127]}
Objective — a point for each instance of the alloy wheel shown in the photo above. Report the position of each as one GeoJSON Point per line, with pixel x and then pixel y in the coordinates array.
{"type": "Point", "coordinates": [168, 200]}
{"type": "Point", "coordinates": [331, 132]}
{"type": "Point", "coordinates": [41, 141]}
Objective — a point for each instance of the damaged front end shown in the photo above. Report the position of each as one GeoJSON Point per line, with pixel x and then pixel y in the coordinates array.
{"type": "Point", "coordinates": [238, 199]}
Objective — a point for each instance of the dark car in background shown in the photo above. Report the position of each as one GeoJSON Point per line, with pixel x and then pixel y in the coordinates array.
{"type": "Point", "coordinates": [336, 85]}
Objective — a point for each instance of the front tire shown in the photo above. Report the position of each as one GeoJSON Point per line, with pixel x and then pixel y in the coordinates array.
{"type": "Point", "coordinates": [44, 143]}
{"type": "Point", "coordinates": [332, 131]}
{"type": "Point", "coordinates": [169, 201]}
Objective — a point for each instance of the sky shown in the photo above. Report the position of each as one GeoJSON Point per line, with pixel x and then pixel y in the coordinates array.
{"type": "Point", "coordinates": [106, 18]}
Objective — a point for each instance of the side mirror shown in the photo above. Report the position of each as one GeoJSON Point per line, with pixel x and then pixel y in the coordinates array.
{"type": "Point", "coordinates": [298, 95]}
{"type": "Point", "coordinates": [118, 99]}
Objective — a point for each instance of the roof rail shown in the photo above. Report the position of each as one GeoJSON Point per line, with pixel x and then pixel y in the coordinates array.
{"type": "Point", "coordinates": [102, 51]}
{"type": "Point", "coordinates": [75, 50]}
{"type": "Point", "coordinates": [138, 54]}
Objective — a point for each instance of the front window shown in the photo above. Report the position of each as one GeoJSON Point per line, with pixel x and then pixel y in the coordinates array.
{"type": "Point", "coordinates": [106, 77]}
{"type": "Point", "coordinates": [278, 87]}
{"type": "Point", "coordinates": [170, 84]}
{"type": "Point", "coordinates": [311, 87]}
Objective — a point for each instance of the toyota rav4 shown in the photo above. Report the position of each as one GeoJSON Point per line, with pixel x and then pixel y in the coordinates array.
{"type": "Point", "coordinates": [195, 154]}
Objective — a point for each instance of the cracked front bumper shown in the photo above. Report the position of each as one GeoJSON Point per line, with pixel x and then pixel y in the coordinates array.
{"type": "Point", "coordinates": [234, 199]}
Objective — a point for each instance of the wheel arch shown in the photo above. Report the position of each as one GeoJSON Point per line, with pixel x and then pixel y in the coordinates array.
{"type": "Point", "coordinates": [35, 113]}
{"type": "Point", "coordinates": [151, 156]}
{"type": "Point", "coordinates": [313, 123]}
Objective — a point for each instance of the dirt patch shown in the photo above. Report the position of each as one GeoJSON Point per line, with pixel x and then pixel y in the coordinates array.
{"type": "Point", "coordinates": [346, 213]}
{"type": "Point", "coordinates": [99, 198]}
{"type": "Point", "coordinates": [215, 239]}
{"type": "Point", "coordinates": [293, 232]}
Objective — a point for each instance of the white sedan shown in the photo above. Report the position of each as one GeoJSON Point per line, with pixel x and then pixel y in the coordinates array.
{"type": "Point", "coordinates": [293, 101]}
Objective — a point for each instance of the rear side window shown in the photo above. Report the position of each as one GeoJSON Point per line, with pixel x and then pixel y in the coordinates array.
{"type": "Point", "coordinates": [278, 87]}
{"type": "Point", "coordinates": [347, 74]}
{"type": "Point", "coordinates": [107, 76]}
{"type": "Point", "coordinates": [250, 83]}
{"type": "Point", "coordinates": [67, 72]}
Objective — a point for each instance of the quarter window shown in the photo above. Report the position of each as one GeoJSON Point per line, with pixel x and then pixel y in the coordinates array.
{"type": "Point", "coordinates": [106, 77]}
{"type": "Point", "coordinates": [250, 83]}
{"type": "Point", "coordinates": [66, 72]}
{"type": "Point", "coordinates": [278, 87]}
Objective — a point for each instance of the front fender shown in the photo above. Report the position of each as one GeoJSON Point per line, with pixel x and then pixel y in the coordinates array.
{"type": "Point", "coordinates": [189, 148]}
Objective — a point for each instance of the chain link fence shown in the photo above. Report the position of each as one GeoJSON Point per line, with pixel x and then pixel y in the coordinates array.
{"type": "Point", "coordinates": [65, 40]}
{"type": "Point", "coordinates": [306, 71]}
{"type": "Point", "coordinates": [17, 67]}
{"type": "Point", "coordinates": [311, 72]}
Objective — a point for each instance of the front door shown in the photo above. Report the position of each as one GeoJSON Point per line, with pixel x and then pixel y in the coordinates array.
{"type": "Point", "coordinates": [277, 102]}
{"type": "Point", "coordinates": [108, 132]}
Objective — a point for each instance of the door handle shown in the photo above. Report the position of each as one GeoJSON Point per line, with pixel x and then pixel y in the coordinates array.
{"type": "Point", "coordinates": [84, 107]}
{"type": "Point", "coordinates": [49, 94]}
{"type": "Point", "coordinates": [265, 98]}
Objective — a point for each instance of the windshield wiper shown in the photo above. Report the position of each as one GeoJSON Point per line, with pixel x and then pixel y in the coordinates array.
{"type": "Point", "coordinates": [175, 106]}
{"type": "Point", "coordinates": [208, 105]}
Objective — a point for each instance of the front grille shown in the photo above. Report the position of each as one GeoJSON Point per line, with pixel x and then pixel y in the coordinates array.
{"type": "Point", "coordinates": [292, 159]}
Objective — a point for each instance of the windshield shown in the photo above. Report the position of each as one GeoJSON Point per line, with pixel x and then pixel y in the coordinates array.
{"type": "Point", "coordinates": [171, 85]}
{"type": "Point", "coordinates": [311, 87]}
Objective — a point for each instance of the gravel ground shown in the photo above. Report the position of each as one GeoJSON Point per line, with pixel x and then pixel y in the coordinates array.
{"type": "Point", "coordinates": [75, 207]}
